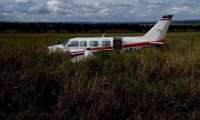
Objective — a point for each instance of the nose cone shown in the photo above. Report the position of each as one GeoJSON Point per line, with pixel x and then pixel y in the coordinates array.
{"type": "Point", "coordinates": [55, 48]}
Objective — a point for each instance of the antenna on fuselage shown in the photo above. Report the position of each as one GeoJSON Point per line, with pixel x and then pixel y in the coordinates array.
{"type": "Point", "coordinates": [103, 35]}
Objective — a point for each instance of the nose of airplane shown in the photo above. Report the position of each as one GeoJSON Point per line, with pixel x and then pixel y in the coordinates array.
{"type": "Point", "coordinates": [54, 48]}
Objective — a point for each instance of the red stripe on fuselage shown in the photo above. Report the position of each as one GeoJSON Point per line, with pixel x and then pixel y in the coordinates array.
{"type": "Point", "coordinates": [102, 48]}
{"type": "Point", "coordinates": [161, 40]}
{"type": "Point", "coordinates": [143, 44]}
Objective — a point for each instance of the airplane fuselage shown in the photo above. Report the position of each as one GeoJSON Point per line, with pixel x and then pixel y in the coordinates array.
{"type": "Point", "coordinates": [89, 45]}
{"type": "Point", "coordinates": [77, 46]}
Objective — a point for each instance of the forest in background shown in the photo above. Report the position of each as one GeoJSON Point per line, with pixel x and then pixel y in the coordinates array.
{"type": "Point", "coordinates": [37, 27]}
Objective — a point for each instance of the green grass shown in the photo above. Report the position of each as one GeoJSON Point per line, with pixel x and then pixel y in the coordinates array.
{"type": "Point", "coordinates": [145, 84]}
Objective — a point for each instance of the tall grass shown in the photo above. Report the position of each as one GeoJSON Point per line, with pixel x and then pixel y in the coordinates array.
{"type": "Point", "coordinates": [146, 84]}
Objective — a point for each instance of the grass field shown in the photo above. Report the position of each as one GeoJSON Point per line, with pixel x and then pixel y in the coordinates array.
{"type": "Point", "coordinates": [142, 85]}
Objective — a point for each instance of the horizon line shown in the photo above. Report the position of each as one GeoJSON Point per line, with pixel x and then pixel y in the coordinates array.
{"type": "Point", "coordinates": [194, 20]}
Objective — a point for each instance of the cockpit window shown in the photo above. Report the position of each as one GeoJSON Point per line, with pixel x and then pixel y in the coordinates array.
{"type": "Point", "coordinates": [106, 43]}
{"type": "Point", "coordinates": [73, 44]}
{"type": "Point", "coordinates": [65, 43]}
{"type": "Point", "coordinates": [83, 43]}
{"type": "Point", "coordinates": [94, 43]}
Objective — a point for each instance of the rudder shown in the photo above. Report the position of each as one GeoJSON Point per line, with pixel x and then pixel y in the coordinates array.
{"type": "Point", "coordinates": [159, 30]}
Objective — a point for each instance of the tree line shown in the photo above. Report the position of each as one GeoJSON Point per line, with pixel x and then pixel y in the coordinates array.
{"type": "Point", "coordinates": [34, 27]}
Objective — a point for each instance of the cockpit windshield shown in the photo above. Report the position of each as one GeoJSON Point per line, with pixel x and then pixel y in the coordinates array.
{"type": "Point", "coordinates": [65, 43]}
{"type": "Point", "coordinates": [73, 44]}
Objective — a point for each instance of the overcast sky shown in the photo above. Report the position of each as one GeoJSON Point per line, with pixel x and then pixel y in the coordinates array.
{"type": "Point", "coordinates": [96, 10]}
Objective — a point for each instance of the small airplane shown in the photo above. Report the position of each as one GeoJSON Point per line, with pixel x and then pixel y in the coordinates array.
{"type": "Point", "coordinates": [88, 46]}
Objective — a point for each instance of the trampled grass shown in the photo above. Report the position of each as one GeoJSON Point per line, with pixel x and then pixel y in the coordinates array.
{"type": "Point", "coordinates": [145, 84]}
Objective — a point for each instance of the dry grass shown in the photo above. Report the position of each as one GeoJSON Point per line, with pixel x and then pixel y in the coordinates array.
{"type": "Point", "coordinates": [146, 84]}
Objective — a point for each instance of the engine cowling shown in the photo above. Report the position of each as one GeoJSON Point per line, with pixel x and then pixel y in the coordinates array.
{"type": "Point", "coordinates": [88, 53]}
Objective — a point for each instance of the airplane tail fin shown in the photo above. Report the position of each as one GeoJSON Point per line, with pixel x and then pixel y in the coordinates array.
{"type": "Point", "coordinates": [159, 30]}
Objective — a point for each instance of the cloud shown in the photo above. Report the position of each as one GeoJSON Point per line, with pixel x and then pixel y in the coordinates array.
{"type": "Point", "coordinates": [104, 12]}
{"type": "Point", "coordinates": [21, 1]}
{"type": "Point", "coordinates": [96, 10]}
{"type": "Point", "coordinates": [53, 5]}
{"type": "Point", "coordinates": [181, 9]}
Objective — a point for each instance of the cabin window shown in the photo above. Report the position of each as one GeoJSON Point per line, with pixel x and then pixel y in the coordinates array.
{"type": "Point", "coordinates": [94, 43]}
{"type": "Point", "coordinates": [83, 43]}
{"type": "Point", "coordinates": [73, 44]}
{"type": "Point", "coordinates": [106, 43]}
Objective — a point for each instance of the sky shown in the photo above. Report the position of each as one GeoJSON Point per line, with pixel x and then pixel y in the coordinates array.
{"type": "Point", "coordinates": [97, 10]}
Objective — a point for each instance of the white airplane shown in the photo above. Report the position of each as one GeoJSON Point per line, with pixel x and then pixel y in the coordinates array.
{"type": "Point", "coordinates": [88, 46]}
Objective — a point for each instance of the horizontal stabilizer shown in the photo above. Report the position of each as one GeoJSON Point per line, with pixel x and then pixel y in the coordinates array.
{"type": "Point", "coordinates": [157, 43]}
